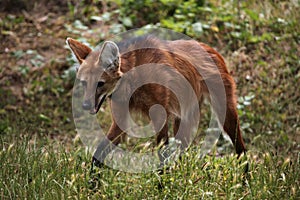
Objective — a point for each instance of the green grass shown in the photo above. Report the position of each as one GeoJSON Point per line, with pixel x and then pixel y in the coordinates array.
{"type": "Point", "coordinates": [40, 168]}
{"type": "Point", "coordinates": [41, 157]}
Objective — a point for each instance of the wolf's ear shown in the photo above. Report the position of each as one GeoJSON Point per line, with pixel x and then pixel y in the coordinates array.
{"type": "Point", "coordinates": [110, 56]}
{"type": "Point", "coordinates": [80, 50]}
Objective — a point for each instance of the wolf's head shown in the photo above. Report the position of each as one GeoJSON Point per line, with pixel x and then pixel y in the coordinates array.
{"type": "Point", "coordinates": [99, 72]}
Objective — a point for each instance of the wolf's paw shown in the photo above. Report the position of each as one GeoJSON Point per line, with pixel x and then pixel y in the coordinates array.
{"type": "Point", "coordinates": [95, 174]}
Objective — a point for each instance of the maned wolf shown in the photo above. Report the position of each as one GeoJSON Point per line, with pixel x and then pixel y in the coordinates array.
{"type": "Point", "coordinates": [101, 73]}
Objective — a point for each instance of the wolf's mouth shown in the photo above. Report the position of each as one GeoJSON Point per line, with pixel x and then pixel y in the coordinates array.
{"type": "Point", "coordinates": [98, 105]}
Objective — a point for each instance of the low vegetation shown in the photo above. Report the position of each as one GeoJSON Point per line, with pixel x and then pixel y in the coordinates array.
{"type": "Point", "coordinates": [41, 154]}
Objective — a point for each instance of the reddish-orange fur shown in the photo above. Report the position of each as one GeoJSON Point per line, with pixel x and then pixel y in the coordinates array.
{"type": "Point", "coordinates": [151, 94]}
{"type": "Point", "coordinates": [177, 55]}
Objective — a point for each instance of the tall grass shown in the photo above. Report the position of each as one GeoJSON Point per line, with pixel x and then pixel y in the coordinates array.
{"type": "Point", "coordinates": [35, 168]}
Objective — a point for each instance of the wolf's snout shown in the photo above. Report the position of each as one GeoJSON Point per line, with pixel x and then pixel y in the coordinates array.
{"type": "Point", "coordinates": [86, 105]}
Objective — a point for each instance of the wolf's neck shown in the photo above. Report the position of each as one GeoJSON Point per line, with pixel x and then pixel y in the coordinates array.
{"type": "Point", "coordinates": [140, 57]}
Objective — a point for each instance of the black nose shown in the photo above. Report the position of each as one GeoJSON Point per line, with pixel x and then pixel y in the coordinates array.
{"type": "Point", "coordinates": [86, 105]}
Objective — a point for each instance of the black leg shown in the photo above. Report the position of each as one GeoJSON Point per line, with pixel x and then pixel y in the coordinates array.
{"type": "Point", "coordinates": [103, 149]}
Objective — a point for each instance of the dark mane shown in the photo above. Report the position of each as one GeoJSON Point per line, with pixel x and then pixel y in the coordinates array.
{"type": "Point", "coordinates": [140, 42]}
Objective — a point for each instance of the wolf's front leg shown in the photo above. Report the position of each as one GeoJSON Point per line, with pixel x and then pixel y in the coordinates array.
{"type": "Point", "coordinates": [107, 145]}
{"type": "Point", "coordinates": [103, 149]}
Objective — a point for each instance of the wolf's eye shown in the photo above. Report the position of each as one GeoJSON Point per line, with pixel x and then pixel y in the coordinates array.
{"type": "Point", "coordinates": [109, 66]}
{"type": "Point", "coordinates": [100, 84]}
{"type": "Point", "coordinates": [83, 83]}
{"type": "Point", "coordinates": [116, 62]}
